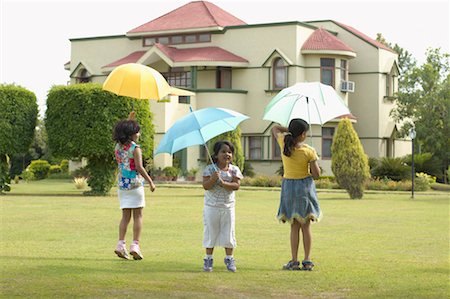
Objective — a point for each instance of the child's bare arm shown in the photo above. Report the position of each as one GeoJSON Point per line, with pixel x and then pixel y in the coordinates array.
{"type": "Point", "coordinates": [209, 181]}
{"type": "Point", "coordinates": [234, 185]}
{"type": "Point", "coordinates": [315, 169]}
{"type": "Point", "coordinates": [277, 129]}
{"type": "Point", "coordinates": [137, 154]}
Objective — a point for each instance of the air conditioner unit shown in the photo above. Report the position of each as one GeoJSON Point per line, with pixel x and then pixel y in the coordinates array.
{"type": "Point", "coordinates": [347, 86]}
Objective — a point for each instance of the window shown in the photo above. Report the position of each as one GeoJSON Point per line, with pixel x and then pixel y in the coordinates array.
{"type": "Point", "coordinates": [223, 77]}
{"type": "Point", "coordinates": [184, 99]}
{"type": "Point", "coordinates": [255, 147]}
{"type": "Point", "coordinates": [327, 71]}
{"type": "Point", "coordinates": [388, 85]}
{"type": "Point", "coordinates": [177, 39]}
{"type": "Point", "coordinates": [344, 71]}
{"type": "Point", "coordinates": [83, 77]}
{"type": "Point", "coordinates": [327, 140]}
{"type": "Point", "coordinates": [276, 151]}
{"type": "Point", "coordinates": [279, 74]}
{"type": "Point", "coordinates": [190, 38]}
{"type": "Point", "coordinates": [178, 77]}
{"type": "Point", "coordinates": [204, 38]}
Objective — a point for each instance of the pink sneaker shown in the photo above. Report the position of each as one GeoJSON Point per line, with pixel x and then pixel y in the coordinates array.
{"type": "Point", "coordinates": [135, 251]}
{"type": "Point", "coordinates": [121, 251]}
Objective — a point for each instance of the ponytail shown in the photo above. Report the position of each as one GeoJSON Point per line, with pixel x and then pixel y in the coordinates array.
{"type": "Point", "coordinates": [296, 128]}
{"type": "Point", "coordinates": [288, 144]}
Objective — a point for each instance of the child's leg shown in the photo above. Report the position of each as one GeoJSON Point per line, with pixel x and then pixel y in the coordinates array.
{"type": "Point", "coordinates": [228, 251]}
{"type": "Point", "coordinates": [307, 238]}
{"type": "Point", "coordinates": [295, 230]}
{"type": "Point", "coordinates": [137, 224]}
{"type": "Point", "coordinates": [126, 216]}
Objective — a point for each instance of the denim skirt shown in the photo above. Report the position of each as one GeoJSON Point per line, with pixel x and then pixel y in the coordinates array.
{"type": "Point", "coordinates": [298, 201]}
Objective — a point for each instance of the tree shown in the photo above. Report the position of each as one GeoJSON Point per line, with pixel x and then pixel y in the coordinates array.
{"type": "Point", "coordinates": [79, 123]}
{"type": "Point", "coordinates": [423, 102]}
{"type": "Point", "coordinates": [235, 138]}
{"type": "Point", "coordinates": [349, 164]}
{"type": "Point", "coordinates": [18, 115]}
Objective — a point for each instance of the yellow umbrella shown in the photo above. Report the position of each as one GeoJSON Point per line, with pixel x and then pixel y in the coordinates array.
{"type": "Point", "coordinates": [137, 81]}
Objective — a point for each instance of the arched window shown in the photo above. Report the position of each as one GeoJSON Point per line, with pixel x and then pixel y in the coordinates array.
{"type": "Point", "coordinates": [279, 74]}
{"type": "Point", "coordinates": [84, 76]}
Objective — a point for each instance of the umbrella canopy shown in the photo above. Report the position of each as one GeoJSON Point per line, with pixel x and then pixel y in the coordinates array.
{"type": "Point", "coordinates": [198, 127]}
{"type": "Point", "coordinates": [140, 82]}
{"type": "Point", "coordinates": [314, 102]}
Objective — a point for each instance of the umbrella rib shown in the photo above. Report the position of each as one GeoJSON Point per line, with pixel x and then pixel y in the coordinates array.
{"type": "Point", "coordinates": [318, 113]}
{"type": "Point", "coordinates": [292, 108]}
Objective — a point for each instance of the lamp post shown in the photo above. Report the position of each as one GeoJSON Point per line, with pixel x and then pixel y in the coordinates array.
{"type": "Point", "coordinates": [412, 135]}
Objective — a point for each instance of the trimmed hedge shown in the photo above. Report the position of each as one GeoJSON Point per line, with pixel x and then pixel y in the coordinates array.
{"type": "Point", "coordinates": [79, 121]}
{"type": "Point", "coordinates": [18, 116]}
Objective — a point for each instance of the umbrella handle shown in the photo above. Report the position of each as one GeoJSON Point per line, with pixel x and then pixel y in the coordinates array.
{"type": "Point", "coordinates": [209, 156]}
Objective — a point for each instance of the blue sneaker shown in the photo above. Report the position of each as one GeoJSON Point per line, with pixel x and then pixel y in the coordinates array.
{"type": "Point", "coordinates": [208, 265]}
{"type": "Point", "coordinates": [230, 264]}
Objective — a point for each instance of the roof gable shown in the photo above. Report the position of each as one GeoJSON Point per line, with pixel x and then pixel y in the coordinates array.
{"type": "Point", "coordinates": [364, 37]}
{"type": "Point", "coordinates": [321, 39]}
{"type": "Point", "coordinates": [194, 15]}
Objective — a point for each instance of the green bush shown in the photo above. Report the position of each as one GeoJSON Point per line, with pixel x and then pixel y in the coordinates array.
{"type": "Point", "coordinates": [425, 162]}
{"type": "Point", "coordinates": [64, 165]}
{"type": "Point", "coordinates": [262, 181]}
{"type": "Point", "coordinates": [79, 121]}
{"type": "Point", "coordinates": [39, 168]}
{"type": "Point", "coordinates": [171, 171]}
{"type": "Point", "coordinates": [326, 183]}
{"type": "Point", "coordinates": [392, 168]}
{"type": "Point", "coordinates": [54, 169]}
{"type": "Point", "coordinates": [349, 163]}
{"type": "Point", "coordinates": [18, 116]}
{"type": "Point", "coordinates": [248, 170]}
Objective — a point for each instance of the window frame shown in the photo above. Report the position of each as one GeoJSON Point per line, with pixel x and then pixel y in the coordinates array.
{"type": "Point", "coordinates": [327, 137]}
{"type": "Point", "coordinates": [250, 148]}
{"type": "Point", "coordinates": [324, 67]}
{"type": "Point", "coordinates": [277, 68]}
{"type": "Point", "coordinates": [221, 80]}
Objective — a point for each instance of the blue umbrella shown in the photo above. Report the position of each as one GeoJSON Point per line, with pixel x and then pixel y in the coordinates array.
{"type": "Point", "coordinates": [198, 127]}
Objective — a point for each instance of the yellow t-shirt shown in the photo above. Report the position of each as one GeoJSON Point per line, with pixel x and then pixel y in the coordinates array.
{"type": "Point", "coordinates": [297, 165]}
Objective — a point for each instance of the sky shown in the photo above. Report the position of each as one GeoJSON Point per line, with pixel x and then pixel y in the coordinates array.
{"type": "Point", "coordinates": [35, 45]}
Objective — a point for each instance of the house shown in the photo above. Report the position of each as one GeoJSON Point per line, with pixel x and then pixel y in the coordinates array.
{"type": "Point", "coordinates": [228, 63]}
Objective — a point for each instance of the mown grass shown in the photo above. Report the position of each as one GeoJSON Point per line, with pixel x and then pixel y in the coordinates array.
{"type": "Point", "coordinates": [56, 243]}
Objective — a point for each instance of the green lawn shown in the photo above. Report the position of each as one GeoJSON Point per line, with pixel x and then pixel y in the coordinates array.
{"type": "Point", "coordinates": [56, 243]}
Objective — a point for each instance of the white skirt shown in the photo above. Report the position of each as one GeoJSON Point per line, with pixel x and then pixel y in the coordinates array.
{"type": "Point", "coordinates": [218, 229]}
{"type": "Point", "coordinates": [132, 199]}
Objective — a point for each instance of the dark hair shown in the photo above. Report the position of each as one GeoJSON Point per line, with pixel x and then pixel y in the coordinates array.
{"type": "Point", "coordinates": [124, 129]}
{"type": "Point", "coordinates": [297, 127]}
{"type": "Point", "coordinates": [218, 146]}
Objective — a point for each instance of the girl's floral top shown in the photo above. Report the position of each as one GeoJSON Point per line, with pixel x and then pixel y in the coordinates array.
{"type": "Point", "coordinates": [129, 178]}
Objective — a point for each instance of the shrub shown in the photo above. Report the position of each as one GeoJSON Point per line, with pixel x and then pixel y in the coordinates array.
{"type": "Point", "coordinates": [248, 170]}
{"type": "Point", "coordinates": [79, 122]}
{"type": "Point", "coordinates": [392, 168]}
{"type": "Point", "coordinates": [171, 172]}
{"type": "Point", "coordinates": [54, 169]}
{"type": "Point", "coordinates": [80, 172]}
{"type": "Point", "coordinates": [349, 163]}
{"type": "Point", "coordinates": [64, 165]}
{"type": "Point", "coordinates": [18, 116]}
{"type": "Point", "coordinates": [39, 169]}
{"type": "Point", "coordinates": [16, 179]}
{"type": "Point", "coordinates": [262, 181]}
{"type": "Point", "coordinates": [326, 183]}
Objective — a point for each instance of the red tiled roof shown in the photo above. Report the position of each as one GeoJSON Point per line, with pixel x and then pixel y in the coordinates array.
{"type": "Point", "coordinates": [199, 54]}
{"type": "Point", "coordinates": [131, 58]}
{"type": "Point", "coordinates": [365, 37]}
{"type": "Point", "coordinates": [197, 14]}
{"type": "Point", "coordinates": [323, 40]}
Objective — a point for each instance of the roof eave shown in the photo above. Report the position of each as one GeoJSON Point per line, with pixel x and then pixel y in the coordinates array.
{"type": "Point", "coordinates": [330, 52]}
{"type": "Point", "coordinates": [174, 31]}
{"type": "Point", "coordinates": [210, 63]}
